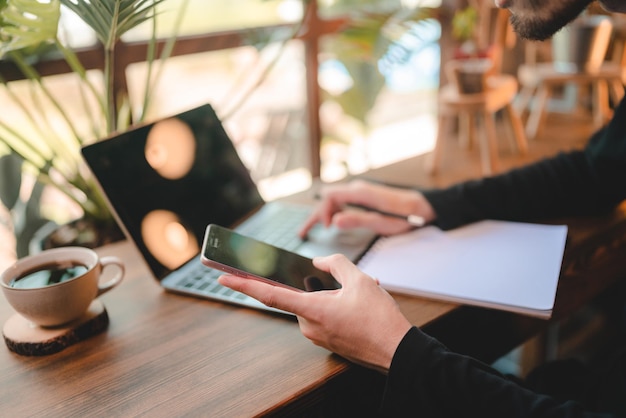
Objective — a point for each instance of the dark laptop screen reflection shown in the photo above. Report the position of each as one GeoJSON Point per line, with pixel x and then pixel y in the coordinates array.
{"type": "Point", "coordinates": [170, 151]}
{"type": "Point", "coordinates": [180, 175]}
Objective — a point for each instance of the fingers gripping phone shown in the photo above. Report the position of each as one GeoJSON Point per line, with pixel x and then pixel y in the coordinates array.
{"type": "Point", "coordinates": [233, 253]}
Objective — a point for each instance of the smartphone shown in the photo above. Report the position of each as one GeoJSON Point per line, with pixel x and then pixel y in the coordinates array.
{"type": "Point", "coordinates": [228, 251]}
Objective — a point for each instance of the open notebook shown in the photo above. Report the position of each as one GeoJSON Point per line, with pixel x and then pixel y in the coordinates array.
{"type": "Point", "coordinates": [504, 265]}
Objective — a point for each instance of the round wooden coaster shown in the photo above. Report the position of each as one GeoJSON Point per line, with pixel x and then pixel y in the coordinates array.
{"type": "Point", "coordinates": [25, 338]}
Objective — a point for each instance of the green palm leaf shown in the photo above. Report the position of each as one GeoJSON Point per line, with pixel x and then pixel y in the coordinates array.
{"type": "Point", "coordinates": [111, 19]}
{"type": "Point", "coordinates": [27, 23]}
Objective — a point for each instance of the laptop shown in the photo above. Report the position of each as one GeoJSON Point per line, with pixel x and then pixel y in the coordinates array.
{"type": "Point", "coordinates": [167, 180]}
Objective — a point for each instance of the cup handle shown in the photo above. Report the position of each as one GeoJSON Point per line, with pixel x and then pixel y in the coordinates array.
{"type": "Point", "coordinates": [115, 280]}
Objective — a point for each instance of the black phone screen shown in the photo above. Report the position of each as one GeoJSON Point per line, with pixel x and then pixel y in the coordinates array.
{"type": "Point", "coordinates": [223, 247]}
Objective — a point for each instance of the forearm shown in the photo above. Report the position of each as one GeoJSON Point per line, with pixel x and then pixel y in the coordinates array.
{"type": "Point", "coordinates": [565, 185]}
{"type": "Point", "coordinates": [583, 182]}
{"type": "Point", "coordinates": [426, 379]}
{"type": "Point", "coordinates": [545, 189]}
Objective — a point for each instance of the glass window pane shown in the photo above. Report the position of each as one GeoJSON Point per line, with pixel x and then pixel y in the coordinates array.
{"type": "Point", "coordinates": [204, 16]}
{"type": "Point", "coordinates": [380, 95]}
{"type": "Point", "coordinates": [335, 8]}
{"type": "Point", "coordinates": [198, 17]}
{"type": "Point", "coordinates": [266, 120]}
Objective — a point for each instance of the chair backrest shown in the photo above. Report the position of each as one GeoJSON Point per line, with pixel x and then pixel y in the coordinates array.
{"type": "Point", "coordinates": [503, 37]}
{"type": "Point", "coordinates": [583, 44]}
{"type": "Point", "coordinates": [469, 76]}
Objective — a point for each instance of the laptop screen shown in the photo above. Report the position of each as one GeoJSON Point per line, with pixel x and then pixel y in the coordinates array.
{"type": "Point", "coordinates": [167, 180]}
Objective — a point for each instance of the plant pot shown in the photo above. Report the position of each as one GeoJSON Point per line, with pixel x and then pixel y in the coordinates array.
{"type": "Point", "coordinates": [464, 53]}
{"type": "Point", "coordinates": [80, 232]}
{"type": "Point", "coordinates": [469, 75]}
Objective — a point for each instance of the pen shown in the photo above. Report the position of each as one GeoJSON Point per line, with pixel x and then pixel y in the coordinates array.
{"type": "Point", "coordinates": [414, 220]}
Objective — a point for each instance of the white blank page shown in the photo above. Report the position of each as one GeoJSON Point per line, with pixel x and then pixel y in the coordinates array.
{"type": "Point", "coordinates": [489, 263]}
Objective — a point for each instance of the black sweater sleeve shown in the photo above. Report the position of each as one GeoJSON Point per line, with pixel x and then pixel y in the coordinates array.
{"type": "Point", "coordinates": [583, 182]}
{"type": "Point", "coordinates": [428, 380]}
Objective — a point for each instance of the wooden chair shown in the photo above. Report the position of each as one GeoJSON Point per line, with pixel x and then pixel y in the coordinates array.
{"type": "Point", "coordinates": [540, 80]}
{"type": "Point", "coordinates": [498, 94]}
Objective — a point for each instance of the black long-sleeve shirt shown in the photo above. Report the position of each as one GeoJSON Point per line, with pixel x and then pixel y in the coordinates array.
{"type": "Point", "coordinates": [425, 378]}
{"type": "Point", "coordinates": [584, 182]}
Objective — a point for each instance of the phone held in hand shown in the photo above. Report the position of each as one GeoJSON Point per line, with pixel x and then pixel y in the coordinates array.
{"type": "Point", "coordinates": [233, 253]}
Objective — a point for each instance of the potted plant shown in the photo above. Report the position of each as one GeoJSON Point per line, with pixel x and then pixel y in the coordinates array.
{"type": "Point", "coordinates": [49, 151]}
{"type": "Point", "coordinates": [472, 62]}
{"type": "Point", "coordinates": [464, 24]}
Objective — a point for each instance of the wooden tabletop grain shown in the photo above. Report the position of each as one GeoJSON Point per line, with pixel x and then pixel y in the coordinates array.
{"type": "Point", "coordinates": [165, 354]}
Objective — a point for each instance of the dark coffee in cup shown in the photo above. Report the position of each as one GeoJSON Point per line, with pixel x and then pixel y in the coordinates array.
{"type": "Point", "coordinates": [49, 274]}
{"type": "Point", "coordinates": [55, 287]}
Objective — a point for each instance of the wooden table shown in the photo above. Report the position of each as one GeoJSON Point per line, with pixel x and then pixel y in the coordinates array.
{"type": "Point", "coordinates": [170, 355]}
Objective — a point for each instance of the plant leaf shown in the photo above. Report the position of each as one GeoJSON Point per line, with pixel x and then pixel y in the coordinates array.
{"type": "Point", "coordinates": [27, 23]}
{"type": "Point", "coordinates": [111, 19]}
{"type": "Point", "coordinates": [11, 179]}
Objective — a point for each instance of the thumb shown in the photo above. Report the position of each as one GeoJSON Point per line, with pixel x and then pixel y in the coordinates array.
{"type": "Point", "coordinates": [339, 266]}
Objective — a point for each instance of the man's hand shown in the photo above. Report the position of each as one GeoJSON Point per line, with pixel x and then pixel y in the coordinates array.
{"type": "Point", "coordinates": [333, 208]}
{"type": "Point", "coordinates": [360, 321]}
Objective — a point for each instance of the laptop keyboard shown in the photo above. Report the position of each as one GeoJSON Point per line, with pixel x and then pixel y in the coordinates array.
{"type": "Point", "coordinates": [279, 230]}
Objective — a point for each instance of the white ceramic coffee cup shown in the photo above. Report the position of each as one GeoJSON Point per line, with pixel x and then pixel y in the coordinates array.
{"type": "Point", "coordinates": [60, 303]}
